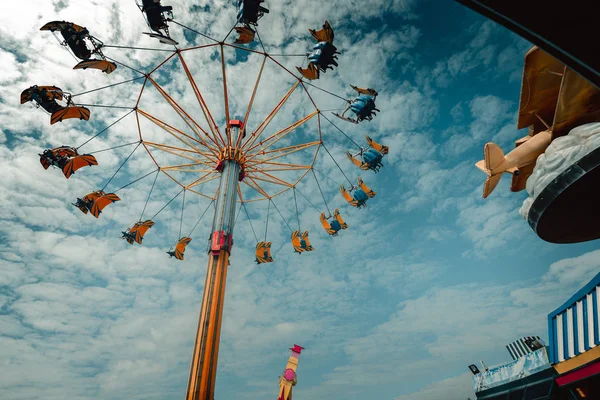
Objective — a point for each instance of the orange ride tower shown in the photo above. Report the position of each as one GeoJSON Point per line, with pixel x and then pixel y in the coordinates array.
{"type": "Point", "coordinates": [203, 369]}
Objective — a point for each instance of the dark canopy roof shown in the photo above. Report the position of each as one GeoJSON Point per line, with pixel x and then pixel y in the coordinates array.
{"type": "Point", "coordinates": [565, 30]}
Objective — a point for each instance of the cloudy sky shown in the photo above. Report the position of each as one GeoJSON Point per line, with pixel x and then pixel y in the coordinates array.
{"type": "Point", "coordinates": [428, 279]}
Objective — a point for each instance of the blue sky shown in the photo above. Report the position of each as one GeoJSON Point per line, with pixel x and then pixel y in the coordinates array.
{"type": "Point", "coordinates": [428, 279]}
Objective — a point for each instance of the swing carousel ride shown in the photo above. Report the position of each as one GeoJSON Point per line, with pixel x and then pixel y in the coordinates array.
{"type": "Point", "coordinates": [228, 151]}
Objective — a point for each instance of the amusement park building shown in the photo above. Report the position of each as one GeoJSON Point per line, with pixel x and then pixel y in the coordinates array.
{"type": "Point", "coordinates": [568, 368]}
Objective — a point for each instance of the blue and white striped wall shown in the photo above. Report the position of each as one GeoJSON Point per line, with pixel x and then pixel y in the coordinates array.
{"type": "Point", "coordinates": [519, 348]}
{"type": "Point", "coordinates": [573, 328]}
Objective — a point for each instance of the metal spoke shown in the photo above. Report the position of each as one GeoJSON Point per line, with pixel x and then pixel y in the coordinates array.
{"type": "Point", "coordinates": [245, 122]}
{"type": "Point", "coordinates": [207, 115]}
{"type": "Point", "coordinates": [254, 185]}
{"type": "Point", "coordinates": [244, 49]}
{"type": "Point", "coordinates": [270, 179]}
{"type": "Point", "coordinates": [281, 152]}
{"type": "Point", "coordinates": [271, 140]}
{"type": "Point", "coordinates": [162, 63]}
{"type": "Point", "coordinates": [197, 129]}
{"type": "Point", "coordinates": [279, 167]}
{"type": "Point", "coordinates": [204, 178]}
{"type": "Point", "coordinates": [177, 167]}
{"type": "Point", "coordinates": [174, 150]}
{"type": "Point", "coordinates": [175, 132]}
{"type": "Point", "coordinates": [256, 134]}
{"type": "Point", "coordinates": [226, 99]}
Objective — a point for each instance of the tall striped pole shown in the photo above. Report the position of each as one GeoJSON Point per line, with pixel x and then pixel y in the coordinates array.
{"type": "Point", "coordinates": [203, 369]}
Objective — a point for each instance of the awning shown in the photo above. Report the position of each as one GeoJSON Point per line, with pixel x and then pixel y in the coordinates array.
{"type": "Point", "coordinates": [565, 30]}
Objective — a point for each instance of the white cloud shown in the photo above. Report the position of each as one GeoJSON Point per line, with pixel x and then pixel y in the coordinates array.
{"type": "Point", "coordinates": [456, 325]}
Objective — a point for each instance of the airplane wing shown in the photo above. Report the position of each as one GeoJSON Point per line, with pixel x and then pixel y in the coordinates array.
{"type": "Point", "coordinates": [142, 229]}
{"type": "Point", "coordinates": [263, 252]}
{"type": "Point", "coordinates": [65, 151]}
{"type": "Point", "coordinates": [102, 202]}
{"type": "Point", "coordinates": [368, 91]}
{"type": "Point", "coordinates": [356, 161]}
{"type": "Point", "coordinates": [93, 196]}
{"type": "Point", "coordinates": [102, 65]}
{"type": "Point", "coordinates": [338, 217]}
{"type": "Point", "coordinates": [326, 224]}
{"type": "Point", "coordinates": [180, 248]}
{"type": "Point", "coordinates": [365, 189]}
{"type": "Point", "coordinates": [519, 180]}
{"type": "Point", "coordinates": [51, 93]}
{"type": "Point", "coordinates": [348, 197]}
{"type": "Point", "coordinates": [323, 35]}
{"type": "Point", "coordinates": [25, 96]}
{"type": "Point", "coordinates": [246, 35]}
{"type": "Point", "coordinates": [133, 230]}
{"type": "Point", "coordinates": [542, 76]}
{"type": "Point", "coordinates": [56, 26]}
{"type": "Point", "coordinates": [44, 161]}
{"type": "Point", "coordinates": [311, 72]}
{"type": "Point", "coordinates": [70, 112]}
{"type": "Point", "coordinates": [305, 238]}
{"type": "Point", "coordinates": [78, 162]}
{"type": "Point", "coordinates": [296, 242]}
{"type": "Point", "coordinates": [380, 148]}
{"type": "Point", "coordinates": [577, 104]}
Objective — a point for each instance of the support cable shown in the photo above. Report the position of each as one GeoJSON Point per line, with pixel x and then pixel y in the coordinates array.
{"type": "Point", "coordinates": [104, 130]}
{"type": "Point", "coordinates": [297, 213]}
{"type": "Point", "coordinates": [135, 48]}
{"type": "Point", "coordinates": [182, 208]}
{"type": "Point", "coordinates": [309, 202]}
{"type": "Point", "coordinates": [287, 55]}
{"type": "Point", "coordinates": [124, 162]}
{"type": "Point", "coordinates": [342, 132]}
{"type": "Point", "coordinates": [320, 190]}
{"type": "Point", "coordinates": [114, 147]}
{"type": "Point", "coordinates": [149, 194]}
{"type": "Point", "coordinates": [195, 31]}
{"type": "Point", "coordinates": [229, 33]}
{"type": "Point", "coordinates": [338, 165]}
{"type": "Point", "coordinates": [331, 110]}
{"type": "Point", "coordinates": [126, 66]}
{"type": "Point", "coordinates": [261, 42]}
{"type": "Point", "coordinates": [267, 225]}
{"type": "Point", "coordinates": [248, 216]}
{"type": "Point", "coordinates": [328, 177]}
{"type": "Point", "coordinates": [63, 44]}
{"type": "Point", "coordinates": [109, 86]}
{"type": "Point", "coordinates": [326, 91]}
{"type": "Point", "coordinates": [108, 106]}
{"type": "Point", "coordinates": [202, 216]}
{"type": "Point", "coordinates": [138, 179]}
{"type": "Point", "coordinates": [284, 220]}
{"type": "Point", "coordinates": [165, 206]}
{"type": "Point", "coordinates": [237, 216]}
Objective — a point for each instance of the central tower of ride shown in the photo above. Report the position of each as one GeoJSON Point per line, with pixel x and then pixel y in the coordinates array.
{"type": "Point", "coordinates": [201, 383]}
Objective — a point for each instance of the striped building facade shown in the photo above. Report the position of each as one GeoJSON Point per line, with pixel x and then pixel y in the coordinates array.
{"type": "Point", "coordinates": [519, 348]}
{"type": "Point", "coordinates": [573, 327]}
